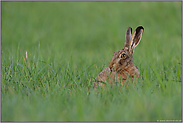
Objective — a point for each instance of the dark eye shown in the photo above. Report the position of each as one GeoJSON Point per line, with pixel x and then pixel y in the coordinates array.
{"type": "Point", "coordinates": [123, 55]}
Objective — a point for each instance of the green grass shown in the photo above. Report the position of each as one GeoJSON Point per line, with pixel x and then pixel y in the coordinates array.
{"type": "Point", "coordinates": [69, 43]}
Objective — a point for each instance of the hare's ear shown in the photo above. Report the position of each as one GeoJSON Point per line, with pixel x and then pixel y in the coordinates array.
{"type": "Point", "coordinates": [128, 36]}
{"type": "Point", "coordinates": [135, 39]}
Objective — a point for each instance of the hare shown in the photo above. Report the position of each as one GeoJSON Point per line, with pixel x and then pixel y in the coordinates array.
{"type": "Point", "coordinates": [121, 65]}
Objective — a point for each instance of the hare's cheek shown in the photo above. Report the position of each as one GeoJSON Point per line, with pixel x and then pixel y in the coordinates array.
{"type": "Point", "coordinates": [121, 62]}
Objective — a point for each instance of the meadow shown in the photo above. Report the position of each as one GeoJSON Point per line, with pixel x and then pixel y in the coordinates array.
{"type": "Point", "coordinates": [69, 43]}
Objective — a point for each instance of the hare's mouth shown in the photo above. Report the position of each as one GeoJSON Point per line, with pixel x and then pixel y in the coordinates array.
{"type": "Point", "coordinates": [114, 69]}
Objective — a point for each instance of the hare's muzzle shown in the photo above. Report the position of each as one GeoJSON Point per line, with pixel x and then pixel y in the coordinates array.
{"type": "Point", "coordinates": [112, 67]}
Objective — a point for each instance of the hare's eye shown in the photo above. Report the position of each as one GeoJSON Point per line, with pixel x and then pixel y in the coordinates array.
{"type": "Point", "coordinates": [123, 55]}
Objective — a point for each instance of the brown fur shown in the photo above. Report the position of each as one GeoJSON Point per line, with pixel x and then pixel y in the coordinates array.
{"type": "Point", "coordinates": [121, 65]}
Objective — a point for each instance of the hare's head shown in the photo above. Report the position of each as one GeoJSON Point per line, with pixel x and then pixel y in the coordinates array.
{"type": "Point", "coordinates": [123, 58]}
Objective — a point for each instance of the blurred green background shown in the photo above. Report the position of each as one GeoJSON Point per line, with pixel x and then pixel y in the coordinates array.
{"type": "Point", "coordinates": [77, 39]}
{"type": "Point", "coordinates": [94, 29]}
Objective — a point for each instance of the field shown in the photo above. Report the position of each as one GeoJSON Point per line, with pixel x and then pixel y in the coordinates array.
{"type": "Point", "coordinates": [51, 53]}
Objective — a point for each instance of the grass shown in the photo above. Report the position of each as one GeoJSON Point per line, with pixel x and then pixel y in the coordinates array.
{"type": "Point", "coordinates": [69, 43]}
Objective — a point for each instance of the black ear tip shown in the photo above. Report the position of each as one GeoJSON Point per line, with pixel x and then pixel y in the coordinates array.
{"type": "Point", "coordinates": [140, 27]}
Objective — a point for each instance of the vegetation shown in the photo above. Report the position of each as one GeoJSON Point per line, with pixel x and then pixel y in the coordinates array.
{"type": "Point", "coordinates": [69, 43]}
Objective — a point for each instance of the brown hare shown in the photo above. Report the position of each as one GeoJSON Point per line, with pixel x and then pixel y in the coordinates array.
{"type": "Point", "coordinates": [121, 65]}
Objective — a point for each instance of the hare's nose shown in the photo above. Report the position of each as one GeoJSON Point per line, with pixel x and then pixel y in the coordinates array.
{"type": "Point", "coordinates": [110, 66]}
